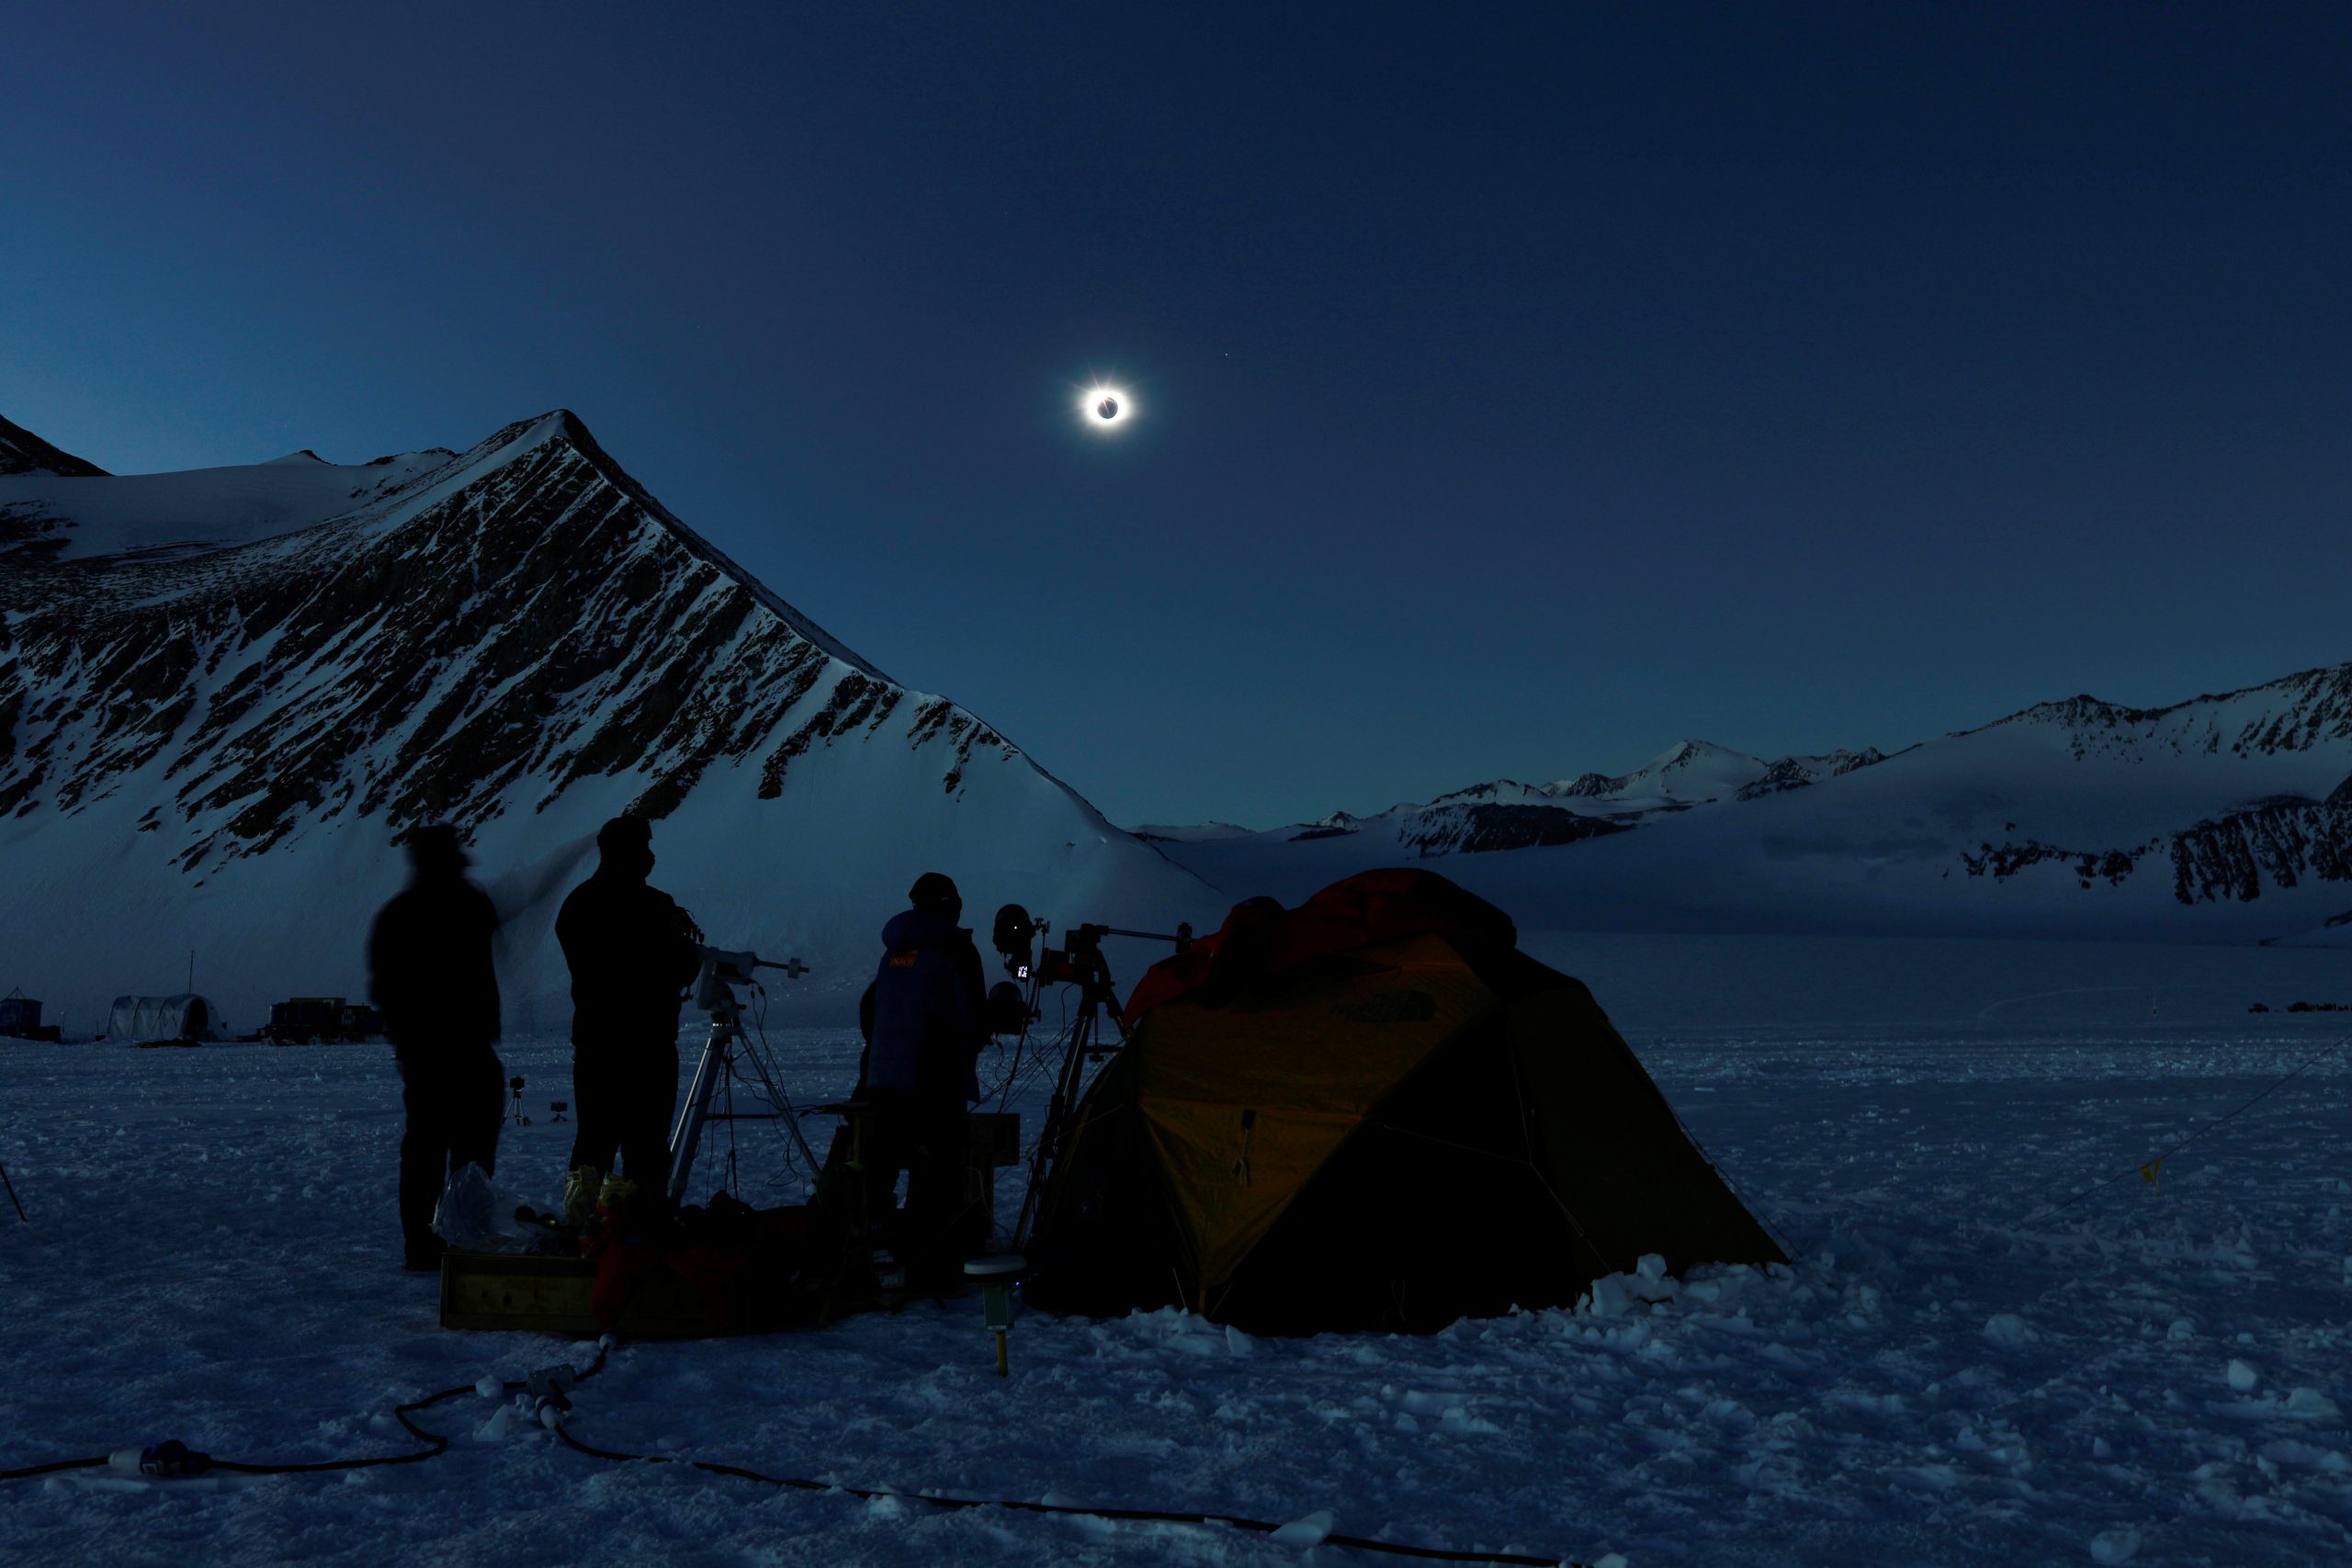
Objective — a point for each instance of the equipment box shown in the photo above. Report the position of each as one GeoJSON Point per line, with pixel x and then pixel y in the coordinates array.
{"type": "Point", "coordinates": [551, 1295]}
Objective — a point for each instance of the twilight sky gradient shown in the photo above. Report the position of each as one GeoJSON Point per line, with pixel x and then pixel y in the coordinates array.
{"type": "Point", "coordinates": [1523, 387]}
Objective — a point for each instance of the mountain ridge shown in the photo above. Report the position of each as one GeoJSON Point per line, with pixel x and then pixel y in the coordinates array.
{"type": "Point", "coordinates": [22, 452]}
{"type": "Point", "coordinates": [2223, 817]}
{"type": "Point", "coordinates": [516, 639]}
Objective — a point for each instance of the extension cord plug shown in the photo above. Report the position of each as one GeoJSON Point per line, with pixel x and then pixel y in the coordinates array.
{"type": "Point", "coordinates": [169, 1461]}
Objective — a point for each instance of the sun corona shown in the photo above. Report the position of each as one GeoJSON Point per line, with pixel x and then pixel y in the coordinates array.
{"type": "Point", "coordinates": [1106, 408]}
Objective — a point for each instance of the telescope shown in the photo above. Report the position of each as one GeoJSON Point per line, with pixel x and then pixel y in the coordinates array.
{"type": "Point", "coordinates": [723, 969]}
{"type": "Point", "coordinates": [1078, 962]}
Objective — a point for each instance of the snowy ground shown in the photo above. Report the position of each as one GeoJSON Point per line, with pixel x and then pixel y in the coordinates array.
{"type": "Point", "coordinates": [2156, 1375]}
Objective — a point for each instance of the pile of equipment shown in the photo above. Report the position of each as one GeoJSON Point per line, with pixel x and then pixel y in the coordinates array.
{"type": "Point", "coordinates": [322, 1020]}
{"type": "Point", "coordinates": [1369, 1112]}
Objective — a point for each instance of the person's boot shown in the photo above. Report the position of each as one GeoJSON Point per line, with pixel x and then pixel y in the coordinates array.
{"type": "Point", "coordinates": [422, 1255]}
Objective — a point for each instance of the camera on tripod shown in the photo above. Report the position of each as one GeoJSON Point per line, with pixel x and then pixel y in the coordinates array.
{"type": "Point", "coordinates": [723, 969]}
{"type": "Point", "coordinates": [1078, 962]}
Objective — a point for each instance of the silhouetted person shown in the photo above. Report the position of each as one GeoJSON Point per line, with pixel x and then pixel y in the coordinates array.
{"type": "Point", "coordinates": [924, 1020]}
{"type": "Point", "coordinates": [632, 952]}
{"type": "Point", "coordinates": [429, 972]}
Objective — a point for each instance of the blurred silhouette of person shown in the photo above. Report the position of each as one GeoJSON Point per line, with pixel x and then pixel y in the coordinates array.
{"type": "Point", "coordinates": [429, 972]}
{"type": "Point", "coordinates": [924, 1020]}
{"type": "Point", "coordinates": [632, 953]}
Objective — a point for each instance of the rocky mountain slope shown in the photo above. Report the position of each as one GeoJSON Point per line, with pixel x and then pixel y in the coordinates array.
{"type": "Point", "coordinates": [22, 452]}
{"type": "Point", "coordinates": [224, 695]}
{"type": "Point", "coordinates": [2222, 818]}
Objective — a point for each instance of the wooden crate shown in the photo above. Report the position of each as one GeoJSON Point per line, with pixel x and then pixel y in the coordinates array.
{"type": "Point", "coordinates": [550, 1295]}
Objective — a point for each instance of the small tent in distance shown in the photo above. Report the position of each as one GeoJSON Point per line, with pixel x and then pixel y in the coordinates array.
{"type": "Point", "coordinates": [183, 1017]}
{"type": "Point", "coordinates": [1371, 1112]}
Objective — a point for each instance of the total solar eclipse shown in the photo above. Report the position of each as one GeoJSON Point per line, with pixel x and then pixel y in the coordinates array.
{"type": "Point", "coordinates": [1106, 408]}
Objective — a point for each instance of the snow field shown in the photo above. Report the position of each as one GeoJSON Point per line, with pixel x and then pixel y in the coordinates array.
{"type": "Point", "coordinates": [2154, 1375]}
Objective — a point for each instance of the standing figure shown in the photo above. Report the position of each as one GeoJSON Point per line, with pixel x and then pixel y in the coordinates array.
{"type": "Point", "coordinates": [924, 1021]}
{"type": "Point", "coordinates": [632, 953]}
{"type": "Point", "coordinates": [429, 972]}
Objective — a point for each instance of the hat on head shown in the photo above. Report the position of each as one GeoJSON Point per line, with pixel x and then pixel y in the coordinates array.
{"type": "Point", "coordinates": [932, 888]}
{"type": "Point", "coordinates": [434, 846]}
{"type": "Point", "coordinates": [634, 832]}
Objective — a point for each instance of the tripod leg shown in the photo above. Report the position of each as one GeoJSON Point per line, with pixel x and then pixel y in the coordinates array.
{"type": "Point", "coordinates": [688, 1135]}
{"type": "Point", "coordinates": [12, 1195]}
{"type": "Point", "coordinates": [1065, 1095]}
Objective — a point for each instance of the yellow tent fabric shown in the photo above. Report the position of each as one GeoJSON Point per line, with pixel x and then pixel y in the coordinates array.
{"type": "Point", "coordinates": [1206, 1069]}
{"type": "Point", "coordinates": [1389, 1137]}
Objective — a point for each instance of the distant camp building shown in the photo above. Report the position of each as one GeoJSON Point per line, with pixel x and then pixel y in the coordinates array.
{"type": "Point", "coordinates": [20, 1018]}
{"type": "Point", "coordinates": [1371, 1112]}
{"type": "Point", "coordinates": [183, 1017]}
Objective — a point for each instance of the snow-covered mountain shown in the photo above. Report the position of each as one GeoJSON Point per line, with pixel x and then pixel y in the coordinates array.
{"type": "Point", "coordinates": [224, 693]}
{"type": "Point", "coordinates": [57, 514]}
{"type": "Point", "coordinates": [2223, 817]}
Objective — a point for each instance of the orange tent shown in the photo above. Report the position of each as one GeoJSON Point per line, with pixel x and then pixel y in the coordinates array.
{"type": "Point", "coordinates": [1371, 1112]}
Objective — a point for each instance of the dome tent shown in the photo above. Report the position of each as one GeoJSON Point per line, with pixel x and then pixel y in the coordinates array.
{"type": "Point", "coordinates": [185, 1016]}
{"type": "Point", "coordinates": [1370, 1112]}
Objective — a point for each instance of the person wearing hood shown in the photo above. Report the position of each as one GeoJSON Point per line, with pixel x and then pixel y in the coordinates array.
{"type": "Point", "coordinates": [924, 1020]}
{"type": "Point", "coordinates": [632, 953]}
{"type": "Point", "coordinates": [429, 972]}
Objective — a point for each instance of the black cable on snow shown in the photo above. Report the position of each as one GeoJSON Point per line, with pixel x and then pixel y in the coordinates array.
{"type": "Point", "coordinates": [1153, 1516]}
{"type": "Point", "coordinates": [435, 1443]}
{"type": "Point", "coordinates": [32, 1469]}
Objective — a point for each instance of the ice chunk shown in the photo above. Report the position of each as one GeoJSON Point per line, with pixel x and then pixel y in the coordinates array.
{"type": "Point", "coordinates": [1308, 1531]}
{"type": "Point", "coordinates": [2009, 1328]}
{"type": "Point", "coordinates": [2242, 1376]}
{"type": "Point", "coordinates": [1609, 1297]}
{"type": "Point", "coordinates": [2311, 1402]}
{"type": "Point", "coordinates": [2117, 1545]}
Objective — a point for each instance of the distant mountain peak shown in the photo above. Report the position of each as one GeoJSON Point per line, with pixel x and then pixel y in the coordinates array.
{"type": "Point", "coordinates": [527, 435]}
{"type": "Point", "coordinates": [249, 681]}
{"type": "Point", "coordinates": [22, 452]}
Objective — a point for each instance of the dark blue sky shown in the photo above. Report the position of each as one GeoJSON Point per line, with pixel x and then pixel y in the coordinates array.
{"type": "Point", "coordinates": [1522, 388]}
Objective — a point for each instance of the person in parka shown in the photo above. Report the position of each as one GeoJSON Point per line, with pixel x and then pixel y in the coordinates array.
{"type": "Point", "coordinates": [632, 953]}
{"type": "Point", "coordinates": [924, 1021]}
{"type": "Point", "coordinates": [429, 972]}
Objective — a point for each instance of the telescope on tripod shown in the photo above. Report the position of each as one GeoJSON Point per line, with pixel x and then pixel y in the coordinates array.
{"type": "Point", "coordinates": [723, 971]}
{"type": "Point", "coordinates": [1079, 962]}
